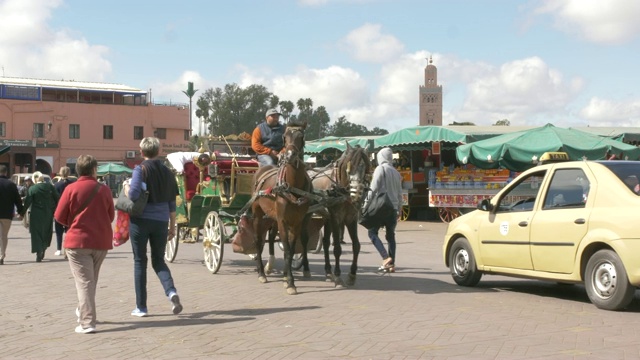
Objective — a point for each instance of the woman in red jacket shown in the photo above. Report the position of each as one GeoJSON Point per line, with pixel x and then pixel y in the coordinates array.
{"type": "Point", "coordinates": [86, 209]}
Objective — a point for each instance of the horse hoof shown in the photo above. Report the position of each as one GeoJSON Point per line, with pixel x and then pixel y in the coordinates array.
{"type": "Point", "coordinates": [292, 291]}
{"type": "Point", "coordinates": [262, 279]}
{"type": "Point", "coordinates": [328, 278]}
{"type": "Point", "coordinates": [339, 283]}
{"type": "Point", "coordinates": [306, 274]}
{"type": "Point", "coordinates": [351, 280]}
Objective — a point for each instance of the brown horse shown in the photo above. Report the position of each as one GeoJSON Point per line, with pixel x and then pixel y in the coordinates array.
{"type": "Point", "coordinates": [347, 179]}
{"type": "Point", "coordinates": [280, 201]}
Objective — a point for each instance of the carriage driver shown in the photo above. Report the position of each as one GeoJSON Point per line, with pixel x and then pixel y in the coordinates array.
{"type": "Point", "coordinates": [267, 138]}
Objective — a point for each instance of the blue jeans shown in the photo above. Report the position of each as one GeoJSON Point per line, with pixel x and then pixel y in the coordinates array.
{"type": "Point", "coordinates": [153, 232]}
{"type": "Point", "coordinates": [265, 160]}
{"type": "Point", "coordinates": [390, 228]}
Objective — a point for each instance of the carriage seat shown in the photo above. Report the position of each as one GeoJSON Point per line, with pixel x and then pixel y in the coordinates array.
{"type": "Point", "coordinates": [191, 179]}
{"type": "Point", "coordinates": [244, 166]}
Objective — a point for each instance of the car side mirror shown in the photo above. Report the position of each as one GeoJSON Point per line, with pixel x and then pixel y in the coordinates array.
{"type": "Point", "coordinates": [485, 205]}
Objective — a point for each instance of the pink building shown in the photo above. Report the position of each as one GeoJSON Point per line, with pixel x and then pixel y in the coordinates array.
{"type": "Point", "coordinates": [46, 124]}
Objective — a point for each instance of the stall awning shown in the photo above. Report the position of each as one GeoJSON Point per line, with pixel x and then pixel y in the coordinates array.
{"type": "Point", "coordinates": [338, 143]}
{"type": "Point", "coordinates": [417, 137]}
{"type": "Point", "coordinates": [4, 149]}
{"type": "Point", "coordinates": [520, 150]}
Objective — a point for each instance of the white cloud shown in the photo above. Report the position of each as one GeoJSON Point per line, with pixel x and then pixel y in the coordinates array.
{"type": "Point", "coordinates": [334, 87]}
{"type": "Point", "coordinates": [173, 91]}
{"type": "Point", "coordinates": [606, 22]}
{"type": "Point", "coordinates": [520, 91]}
{"type": "Point", "coordinates": [368, 44]}
{"type": "Point", "coordinates": [603, 112]}
{"type": "Point", "coordinates": [29, 48]}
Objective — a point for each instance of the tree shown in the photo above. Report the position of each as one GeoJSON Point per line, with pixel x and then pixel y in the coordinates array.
{"type": "Point", "coordinates": [320, 120]}
{"type": "Point", "coordinates": [202, 113]}
{"type": "Point", "coordinates": [286, 108]}
{"type": "Point", "coordinates": [234, 110]}
{"type": "Point", "coordinates": [377, 131]}
{"type": "Point", "coordinates": [342, 127]}
{"type": "Point", "coordinates": [503, 122]}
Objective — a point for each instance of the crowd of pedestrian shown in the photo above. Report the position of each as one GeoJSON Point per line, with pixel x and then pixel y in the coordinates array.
{"type": "Point", "coordinates": [83, 212]}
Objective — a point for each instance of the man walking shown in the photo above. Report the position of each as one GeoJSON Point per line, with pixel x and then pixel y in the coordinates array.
{"type": "Point", "coordinates": [9, 201]}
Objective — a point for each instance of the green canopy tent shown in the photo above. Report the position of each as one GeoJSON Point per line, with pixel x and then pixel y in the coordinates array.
{"type": "Point", "coordinates": [337, 143]}
{"type": "Point", "coordinates": [520, 150]}
{"type": "Point", "coordinates": [415, 138]}
{"type": "Point", "coordinates": [113, 169]}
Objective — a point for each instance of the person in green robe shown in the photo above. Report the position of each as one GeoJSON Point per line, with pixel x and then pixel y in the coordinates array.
{"type": "Point", "coordinates": [42, 198]}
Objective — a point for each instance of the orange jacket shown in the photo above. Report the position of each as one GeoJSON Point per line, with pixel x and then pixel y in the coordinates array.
{"type": "Point", "coordinates": [256, 143]}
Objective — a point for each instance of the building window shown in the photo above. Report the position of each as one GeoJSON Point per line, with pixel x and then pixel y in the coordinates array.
{"type": "Point", "coordinates": [74, 131]}
{"type": "Point", "coordinates": [186, 135]}
{"type": "Point", "coordinates": [138, 133]}
{"type": "Point", "coordinates": [3, 129]}
{"type": "Point", "coordinates": [38, 130]}
{"type": "Point", "coordinates": [161, 133]}
{"type": "Point", "coordinates": [107, 132]}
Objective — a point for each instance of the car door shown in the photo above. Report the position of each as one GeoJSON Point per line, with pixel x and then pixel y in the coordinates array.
{"type": "Point", "coordinates": [504, 233]}
{"type": "Point", "coordinates": [561, 222]}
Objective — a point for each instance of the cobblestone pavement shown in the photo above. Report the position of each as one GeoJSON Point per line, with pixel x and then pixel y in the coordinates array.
{"type": "Point", "coordinates": [415, 313]}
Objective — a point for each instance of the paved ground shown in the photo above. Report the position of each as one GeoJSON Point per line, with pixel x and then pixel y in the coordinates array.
{"type": "Point", "coordinates": [416, 313]}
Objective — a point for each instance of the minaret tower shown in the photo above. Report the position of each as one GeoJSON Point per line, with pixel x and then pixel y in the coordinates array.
{"type": "Point", "coordinates": [430, 97]}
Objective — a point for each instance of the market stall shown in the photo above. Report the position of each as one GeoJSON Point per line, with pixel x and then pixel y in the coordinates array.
{"type": "Point", "coordinates": [490, 164]}
{"type": "Point", "coordinates": [420, 152]}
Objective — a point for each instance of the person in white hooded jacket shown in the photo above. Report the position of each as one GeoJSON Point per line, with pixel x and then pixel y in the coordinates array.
{"type": "Point", "coordinates": [386, 179]}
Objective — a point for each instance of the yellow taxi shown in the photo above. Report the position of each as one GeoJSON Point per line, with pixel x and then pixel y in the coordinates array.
{"type": "Point", "coordinates": [565, 221]}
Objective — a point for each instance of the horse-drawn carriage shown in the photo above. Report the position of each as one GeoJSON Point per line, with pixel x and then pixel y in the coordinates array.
{"type": "Point", "coordinates": [216, 189]}
{"type": "Point", "coordinates": [214, 185]}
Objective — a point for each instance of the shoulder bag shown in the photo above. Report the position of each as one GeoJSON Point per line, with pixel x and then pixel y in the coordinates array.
{"type": "Point", "coordinates": [379, 208]}
{"type": "Point", "coordinates": [133, 208]}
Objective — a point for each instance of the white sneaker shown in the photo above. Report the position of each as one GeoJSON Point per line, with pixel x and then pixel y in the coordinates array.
{"type": "Point", "coordinates": [81, 330]}
{"type": "Point", "coordinates": [58, 253]}
{"type": "Point", "coordinates": [175, 301]}
{"type": "Point", "coordinates": [139, 313]}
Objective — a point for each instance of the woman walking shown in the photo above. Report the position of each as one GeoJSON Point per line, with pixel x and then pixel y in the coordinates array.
{"type": "Point", "coordinates": [154, 225]}
{"type": "Point", "coordinates": [386, 179]}
{"type": "Point", "coordinates": [42, 198]}
{"type": "Point", "coordinates": [86, 210]}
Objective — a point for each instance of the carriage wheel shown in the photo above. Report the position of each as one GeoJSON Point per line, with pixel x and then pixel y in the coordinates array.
{"type": "Point", "coordinates": [171, 249]}
{"type": "Point", "coordinates": [448, 214]}
{"type": "Point", "coordinates": [213, 242]}
{"type": "Point", "coordinates": [404, 215]}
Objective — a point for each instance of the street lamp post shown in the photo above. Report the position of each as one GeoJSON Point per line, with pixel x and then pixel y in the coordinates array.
{"type": "Point", "coordinates": [190, 92]}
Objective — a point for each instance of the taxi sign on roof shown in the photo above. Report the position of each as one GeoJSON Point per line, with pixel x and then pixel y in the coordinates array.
{"type": "Point", "coordinates": [554, 157]}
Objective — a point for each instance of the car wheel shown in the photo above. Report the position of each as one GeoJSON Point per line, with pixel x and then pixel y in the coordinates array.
{"type": "Point", "coordinates": [462, 264]}
{"type": "Point", "coordinates": [606, 281]}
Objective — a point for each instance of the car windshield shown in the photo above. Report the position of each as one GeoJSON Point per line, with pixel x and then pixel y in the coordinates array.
{"type": "Point", "coordinates": [627, 171]}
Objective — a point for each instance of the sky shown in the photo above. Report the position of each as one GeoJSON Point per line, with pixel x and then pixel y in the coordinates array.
{"type": "Point", "coordinates": [533, 62]}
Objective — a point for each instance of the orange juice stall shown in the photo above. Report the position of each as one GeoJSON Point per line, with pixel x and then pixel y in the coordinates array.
{"type": "Point", "coordinates": [420, 154]}
{"type": "Point", "coordinates": [456, 190]}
